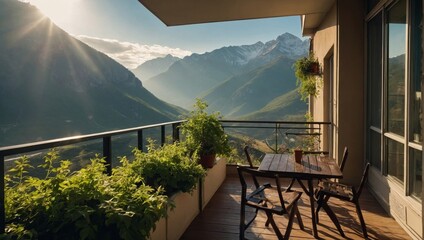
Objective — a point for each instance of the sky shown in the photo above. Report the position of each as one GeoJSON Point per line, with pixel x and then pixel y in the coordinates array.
{"type": "Point", "coordinates": [126, 31]}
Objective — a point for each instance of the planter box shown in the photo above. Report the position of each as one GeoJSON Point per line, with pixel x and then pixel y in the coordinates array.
{"type": "Point", "coordinates": [187, 206]}
{"type": "Point", "coordinates": [160, 231]}
{"type": "Point", "coordinates": [179, 218]}
{"type": "Point", "coordinates": [214, 178]}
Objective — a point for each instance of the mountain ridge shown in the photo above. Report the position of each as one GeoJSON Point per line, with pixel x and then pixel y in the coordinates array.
{"type": "Point", "coordinates": [55, 86]}
{"type": "Point", "coordinates": [187, 78]}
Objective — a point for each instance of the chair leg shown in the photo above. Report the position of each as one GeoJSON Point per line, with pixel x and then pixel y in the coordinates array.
{"type": "Point", "coordinates": [333, 217]}
{"type": "Point", "coordinates": [274, 225]}
{"type": "Point", "coordinates": [299, 218]}
{"type": "Point", "coordinates": [242, 220]}
{"type": "Point", "coordinates": [290, 223]}
{"type": "Point", "coordinates": [319, 203]}
{"type": "Point", "coordinates": [361, 219]}
{"type": "Point", "coordinates": [305, 190]}
{"type": "Point", "coordinates": [291, 184]}
{"type": "Point", "coordinates": [325, 199]}
{"type": "Point", "coordinates": [251, 220]}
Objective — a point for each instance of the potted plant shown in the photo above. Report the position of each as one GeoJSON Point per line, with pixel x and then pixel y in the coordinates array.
{"type": "Point", "coordinates": [308, 74]}
{"type": "Point", "coordinates": [167, 167]}
{"type": "Point", "coordinates": [204, 135]}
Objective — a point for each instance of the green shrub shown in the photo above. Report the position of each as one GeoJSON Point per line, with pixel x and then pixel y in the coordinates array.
{"type": "Point", "coordinates": [169, 167]}
{"type": "Point", "coordinates": [86, 204]}
{"type": "Point", "coordinates": [203, 132]}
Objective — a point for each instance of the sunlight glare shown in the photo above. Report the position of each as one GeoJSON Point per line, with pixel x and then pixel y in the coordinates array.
{"type": "Point", "coordinates": [59, 11]}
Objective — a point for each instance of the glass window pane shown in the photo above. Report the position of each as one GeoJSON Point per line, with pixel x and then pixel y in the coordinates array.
{"type": "Point", "coordinates": [396, 32]}
{"type": "Point", "coordinates": [416, 73]}
{"type": "Point", "coordinates": [374, 71]}
{"type": "Point", "coordinates": [375, 149]}
{"type": "Point", "coordinates": [415, 172]}
{"type": "Point", "coordinates": [395, 159]}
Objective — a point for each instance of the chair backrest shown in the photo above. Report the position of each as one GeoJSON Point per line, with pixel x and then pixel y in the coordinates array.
{"type": "Point", "coordinates": [363, 180]}
{"type": "Point", "coordinates": [254, 173]}
{"type": "Point", "coordinates": [343, 163]}
{"type": "Point", "coordinates": [246, 151]}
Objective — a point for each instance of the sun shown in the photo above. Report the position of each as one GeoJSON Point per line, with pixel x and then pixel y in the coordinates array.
{"type": "Point", "coordinates": [59, 11]}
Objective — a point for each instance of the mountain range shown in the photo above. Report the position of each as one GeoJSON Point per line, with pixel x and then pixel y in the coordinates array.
{"type": "Point", "coordinates": [154, 67]}
{"type": "Point", "coordinates": [235, 80]}
{"type": "Point", "coordinates": [53, 85]}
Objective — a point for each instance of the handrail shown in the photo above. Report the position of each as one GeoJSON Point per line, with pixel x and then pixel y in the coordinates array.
{"type": "Point", "coordinates": [272, 122]}
{"type": "Point", "coordinates": [35, 146]}
{"type": "Point", "coordinates": [107, 144]}
{"type": "Point", "coordinates": [303, 129]}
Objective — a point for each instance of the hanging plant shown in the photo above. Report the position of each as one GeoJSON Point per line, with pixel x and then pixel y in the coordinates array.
{"type": "Point", "coordinates": [308, 74]}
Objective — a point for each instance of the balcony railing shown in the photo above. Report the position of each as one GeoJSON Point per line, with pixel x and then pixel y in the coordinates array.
{"type": "Point", "coordinates": [278, 136]}
{"type": "Point", "coordinates": [281, 136]}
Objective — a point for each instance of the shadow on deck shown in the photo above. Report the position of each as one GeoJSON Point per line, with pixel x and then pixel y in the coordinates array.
{"type": "Point", "coordinates": [220, 219]}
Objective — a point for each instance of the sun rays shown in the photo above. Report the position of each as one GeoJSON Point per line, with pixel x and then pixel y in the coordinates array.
{"type": "Point", "coordinates": [60, 11]}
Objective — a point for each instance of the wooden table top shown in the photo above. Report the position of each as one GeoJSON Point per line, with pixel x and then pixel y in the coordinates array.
{"type": "Point", "coordinates": [312, 166]}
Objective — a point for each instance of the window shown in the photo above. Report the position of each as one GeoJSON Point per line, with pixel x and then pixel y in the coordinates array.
{"type": "Point", "coordinates": [395, 159]}
{"type": "Point", "coordinates": [394, 97]}
{"type": "Point", "coordinates": [415, 177]}
{"type": "Point", "coordinates": [374, 75]}
{"type": "Point", "coordinates": [415, 98]}
{"type": "Point", "coordinates": [396, 47]}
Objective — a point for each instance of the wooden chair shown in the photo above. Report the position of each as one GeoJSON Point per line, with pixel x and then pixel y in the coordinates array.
{"type": "Point", "coordinates": [342, 165]}
{"type": "Point", "coordinates": [249, 159]}
{"type": "Point", "coordinates": [345, 154]}
{"type": "Point", "coordinates": [342, 192]}
{"type": "Point", "coordinates": [270, 199]}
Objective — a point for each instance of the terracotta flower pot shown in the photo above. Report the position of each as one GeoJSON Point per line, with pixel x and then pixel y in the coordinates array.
{"type": "Point", "coordinates": [314, 69]}
{"type": "Point", "coordinates": [298, 155]}
{"type": "Point", "coordinates": [207, 161]}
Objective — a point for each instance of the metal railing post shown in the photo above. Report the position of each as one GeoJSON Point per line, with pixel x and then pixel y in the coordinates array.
{"type": "Point", "coordinates": [140, 140]}
{"type": "Point", "coordinates": [162, 135]}
{"type": "Point", "coordinates": [2, 195]}
{"type": "Point", "coordinates": [107, 153]}
{"type": "Point", "coordinates": [276, 138]}
{"type": "Point", "coordinates": [319, 137]}
{"type": "Point", "coordinates": [175, 132]}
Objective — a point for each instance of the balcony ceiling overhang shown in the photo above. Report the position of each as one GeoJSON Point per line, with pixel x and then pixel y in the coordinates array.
{"type": "Point", "coordinates": [182, 12]}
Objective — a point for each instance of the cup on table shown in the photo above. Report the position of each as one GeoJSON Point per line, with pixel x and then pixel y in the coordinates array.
{"type": "Point", "coordinates": [298, 155]}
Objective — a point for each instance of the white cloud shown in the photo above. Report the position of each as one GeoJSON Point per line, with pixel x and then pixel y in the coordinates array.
{"type": "Point", "coordinates": [131, 54]}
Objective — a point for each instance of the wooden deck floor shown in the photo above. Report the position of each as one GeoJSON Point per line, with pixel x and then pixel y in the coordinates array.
{"type": "Point", "coordinates": [220, 219]}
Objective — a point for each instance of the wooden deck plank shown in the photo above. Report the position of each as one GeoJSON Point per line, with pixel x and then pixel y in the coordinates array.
{"type": "Point", "coordinates": [220, 219]}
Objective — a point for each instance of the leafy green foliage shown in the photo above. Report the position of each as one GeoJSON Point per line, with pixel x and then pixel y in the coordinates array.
{"type": "Point", "coordinates": [169, 167]}
{"type": "Point", "coordinates": [86, 204]}
{"type": "Point", "coordinates": [308, 76]}
{"type": "Point", "coordinates": [203, 132]}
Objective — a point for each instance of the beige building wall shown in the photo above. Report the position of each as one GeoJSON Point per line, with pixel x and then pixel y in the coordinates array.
{"type": "Point", "coordinates": [324, 45]}
{"type": "Point", "coordinates": [341, 34]}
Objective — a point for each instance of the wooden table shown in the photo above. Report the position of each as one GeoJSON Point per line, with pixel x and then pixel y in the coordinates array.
{"type": "Point", "coordinates": [312, 167]}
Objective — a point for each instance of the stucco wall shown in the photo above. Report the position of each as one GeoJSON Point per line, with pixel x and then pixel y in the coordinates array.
{"type": "Point", "coordinates": [351, 86]}
{"type": "Point", "coordinates": [324, 43]}
{"type": "Point", "coordinates": [342, 32]}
